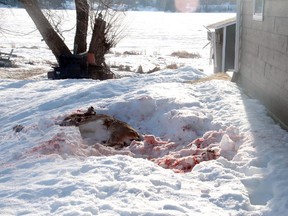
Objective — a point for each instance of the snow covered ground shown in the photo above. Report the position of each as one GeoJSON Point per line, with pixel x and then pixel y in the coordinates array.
{"type": "Point", "coordinates": [151, 37]}
{"type": "Point", "coordinates": [49, 170]}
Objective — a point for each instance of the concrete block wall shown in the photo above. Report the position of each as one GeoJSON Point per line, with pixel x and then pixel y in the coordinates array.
{"type": "Point", "coordinates": [264, 56]}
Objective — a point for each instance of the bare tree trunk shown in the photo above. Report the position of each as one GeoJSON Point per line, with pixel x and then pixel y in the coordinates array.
{"type": "Point", "coordinates": [50, 36]}
{"type": "Point", "coordinates": [100, 43]}
{"type": "Point", "coordinates": [82, 12]}
{"type": "Point", "coordinates": [97, 44]}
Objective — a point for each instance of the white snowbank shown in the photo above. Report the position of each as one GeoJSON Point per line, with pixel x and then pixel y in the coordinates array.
{"type": "Point", "coordinates": [47, 169]}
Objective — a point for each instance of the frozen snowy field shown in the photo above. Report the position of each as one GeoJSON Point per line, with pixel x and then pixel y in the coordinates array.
{"type": "Point", "coordinates": [153, 36]}
{"type": "Point", "coordinates": [49, 170]}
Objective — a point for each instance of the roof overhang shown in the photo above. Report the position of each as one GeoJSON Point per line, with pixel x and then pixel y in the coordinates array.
{"type": "Point", "coordinates": [222, 24]}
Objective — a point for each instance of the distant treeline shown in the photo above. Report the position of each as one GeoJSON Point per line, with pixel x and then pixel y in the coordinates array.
{"type": "Point", "coordinates": [161, 5]}
{"type": "Point", "coordinates": [169, 5]}
{"type": "Point", "coordinates": [54, 4]}
{"type": "Point", "coordinates": [204, 5]}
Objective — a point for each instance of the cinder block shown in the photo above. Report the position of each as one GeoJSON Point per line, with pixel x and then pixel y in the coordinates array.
{"type": "Point", "coordinates": [250, 48]}
{"type": "Point", "coordinates": [273, 57]}
{"type": "Point", "coordinates": [275, 76]}
{"type": "Point", "coordinates": [276, 8]}
{"type": "Point", "coordinates": [247, 7]}
{"type": "Point", "coordinates": [281, 25]}
{"type": "Point", "coordinates": [256, 64]}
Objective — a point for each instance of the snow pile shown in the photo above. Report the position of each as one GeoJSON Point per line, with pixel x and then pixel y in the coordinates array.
{"type": "Point", "coordinates": [177, 129]}
{"type": "Point", "coordinates": [48, 169]}
{"type": "Point", "coordinates": [180, 158]}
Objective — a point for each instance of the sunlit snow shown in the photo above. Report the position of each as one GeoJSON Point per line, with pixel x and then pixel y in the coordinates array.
{"type": "Point", "coordinates": [46, 169]}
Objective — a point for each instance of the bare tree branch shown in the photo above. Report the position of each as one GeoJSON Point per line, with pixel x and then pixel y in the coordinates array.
{"type": "Point", "coordinates": [50, 36]}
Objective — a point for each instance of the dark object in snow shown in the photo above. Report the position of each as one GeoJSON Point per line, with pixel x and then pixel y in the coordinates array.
{"type": "Point", "coordinates": [5, 59]}
{"type": "Point", "coordinates": [140, 69]}
{"type": "Point", "coordinates": [75, 66]}
{"type": "Point", "coordinates": [77, 118]}
{"type": "Point", "coordinates": [70, 66]}
{"type": "Point", "coordinates": [18, 128]}
{"type": "Point", "coordinates": [104, 129]}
